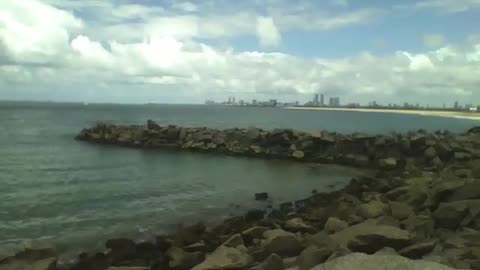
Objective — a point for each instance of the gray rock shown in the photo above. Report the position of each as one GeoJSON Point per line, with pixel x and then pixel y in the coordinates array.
{"type": "Point", "coordinates": [273, 262]}
{"type": "Point", "coordinates": [359, 261]}
{"type": "Point", "coordinates": [400, 210]}
{"type": "Point", "coordinates": [298, 225]}
{"type": "Point", "coordinates": [334, 225]}
{"type": "Point", "coordinates": [21, 264]}
{"type": "Point", "coordinates": [255, 232]}
{"type": "Point", "coordinates": [450, 215]}
{"type": "Point", "coordinates": [181, 260]}
{"type": "Point", "coordinates": [370, 237]}
{"type": "Point", "coordinates": [417, 250]}
{"type": "Point", "coordinates": [298, 154]}
{"type": "Point", "coordinates": [372, 209]}
{"type": "Point", "coordinates": [225, 258]}
{"type": "Point", "coordinates": [234, 241]}
{"type": "Point", "coordinates": [312, 256]}
{"type": "Point", "coordinates": [430, 153]}
{"type": "Point", "coordinates": [283, 243]}
{"type": "Point", "coordinates": [469, 191]}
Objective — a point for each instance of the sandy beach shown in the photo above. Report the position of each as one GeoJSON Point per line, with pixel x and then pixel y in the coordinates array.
{"type": "Point", "coordinates": [450, 114]}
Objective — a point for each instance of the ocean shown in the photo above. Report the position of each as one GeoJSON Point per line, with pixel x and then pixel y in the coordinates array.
{"type": "Point", "coordinates": [76, 195]}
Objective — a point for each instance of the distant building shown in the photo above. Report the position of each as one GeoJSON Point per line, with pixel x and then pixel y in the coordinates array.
{"type": "Point", "coordinates": [456, 105]}
{"type": "Point", "coordinates": [322, 100]}
{"type": "Point", "coordinates": [473, 109]}
{"type": "Point", "coordinates": [334, 102]}
{"type": "Point", "coordinates": [315, 100]}
{"type": "Point", "coordinates": [254, 102]}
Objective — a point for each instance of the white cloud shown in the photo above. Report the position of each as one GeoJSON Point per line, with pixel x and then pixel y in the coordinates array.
{"type": "Point", "coordinates": [161, 59]}
{"type": "Point", "coordinates": [444, 6]}
{"type": "Point", "coordinates": [433, 40]}
{"type": "Point", "coordinates": [186, 6]}
{"type": "Point", "coordinates": [267, 32]}
{"type": "Point", "coordinates": [339, 3]}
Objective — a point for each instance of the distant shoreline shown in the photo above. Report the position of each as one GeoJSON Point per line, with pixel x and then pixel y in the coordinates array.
{"type": "Point", "coordinates": [449, 114]}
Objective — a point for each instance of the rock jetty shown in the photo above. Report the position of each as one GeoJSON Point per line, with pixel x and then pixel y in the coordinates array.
{"type": "Point", "coordinates": [421, 210]}
{"type": "Point", "coordinates": [393, 151]}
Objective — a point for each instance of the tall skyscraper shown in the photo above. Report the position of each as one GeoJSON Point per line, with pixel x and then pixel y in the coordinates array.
{"type": "Point", "coordinates": [322, 100]}
{"type": "Point", "coordinates": [315, 100]}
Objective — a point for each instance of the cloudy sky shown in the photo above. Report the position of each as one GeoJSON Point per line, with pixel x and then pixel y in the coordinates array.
{"type": "Point", "coordinates": [166, 51]}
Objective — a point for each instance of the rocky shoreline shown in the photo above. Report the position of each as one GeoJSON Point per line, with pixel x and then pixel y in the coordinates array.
{"type": "Point", "coordinates": [421, 210]}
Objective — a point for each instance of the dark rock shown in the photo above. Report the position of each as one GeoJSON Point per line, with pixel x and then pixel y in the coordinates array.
{"type": "Point", "coordinates": [234, 241]}
{"type": "Point", "coordinates": [152, 125]}
{"type": "Point", "coordinates": [189, 235]}
{"type": "Point", "coordinates": [273, 262]}
{"type": "Point", "coordinates": [468, 191]}
{"type": "Point", "coordinates": [417, 250]}
{"type": "Point", "coordinates": [181, 260]}
{"type": "Point", "coordinates": [282, 243]}
{"type": "Point", "coordinates": [370, 237]}
{"type": "Point", "coordinates": [450, 215]}
{"type": "Point", "coordinates": [121, 249]}
{"type": "Point", "coordinates": [261, 196]}
{"type": "Point", "coordinates": [400, 210]}
{"type": "Point", "coordinates": [254, 215]}
{"type": "Point", "coordinates": [312, 256]}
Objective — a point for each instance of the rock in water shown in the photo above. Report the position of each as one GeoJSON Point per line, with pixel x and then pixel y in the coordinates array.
{"type": "Point", "coordinates": [19, 264]}
{"type": "Point", "coordinates": [359, 261]}
{"type": "Point", "coordinates": [152, 125]}
{"type": "Point", "coordinates": [262, 196]}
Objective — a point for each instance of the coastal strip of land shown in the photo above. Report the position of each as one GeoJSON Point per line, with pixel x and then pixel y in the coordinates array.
{"type": "Point", "coordinates": [438, 113]}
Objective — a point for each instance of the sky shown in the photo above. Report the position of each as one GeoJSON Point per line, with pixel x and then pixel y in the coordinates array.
{"type": "Point", "coordinates": [166, 51]}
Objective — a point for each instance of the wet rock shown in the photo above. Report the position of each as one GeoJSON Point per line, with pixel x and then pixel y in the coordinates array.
{"type": "Point", "coordinates": [334, 225]}
{"type": "Point", "coordinates": [152, 125]}
{"type": "Point", "coordinates": [400, 210]}
{"type": "Point", "coordinates": [261, 196]}
{"type": "Point", "coordinates": [417, 250]}
{"type": "Point", "coordinates": [273, 262]}
{"type": "Point", "coordinates": [254, 215]}
{"type": "Point", "coordinates": [372, 209]}
{"type": "Point", "coordinates": [121, 249]}
{"type": "Point", "coordinates": [181, 260]}
{"type": "Point", "coordinates": [225, 258]}
{"type": "Point", "coordinates": [189, 235]}
{"type": "Point", "coordinates": [37, 252]}
{"type": "Point", "coordinates": [196, 247]}
{"type": "Point", "coordinates": [282, 243]}
{"type": "Point", "coordinates": [359, 261]}
{"type": "Point", "coordinates": [370, 237]}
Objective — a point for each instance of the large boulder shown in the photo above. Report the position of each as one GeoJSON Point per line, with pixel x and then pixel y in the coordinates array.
{"type": "Point", "coordinates": [282, 243]}
{"type": "Point", "coordinates": [369, 237]}
{"type": "Point", "coordinates": [121, 249]}
{"type": "Point", "coordinates": [469, 191]}
{"type": "Point", "coordinates": [417, 250]}
{"type": "Point", "coordinates": [181, 260]}
{"type": "Point", "coordinates": [225, 258]}
{"type": "Point", "coordinates": [400, 210]}
{"type": "Point", "coordinates": [359, 261]}
{"type": "Point", "coordinates": [334, 225]}
{"type": "Point", "coordinates": [298, 225]}
{"type": "Point", "coordinates": [312, 256]}
{"type": "Point", "coordinates": [451, 215]}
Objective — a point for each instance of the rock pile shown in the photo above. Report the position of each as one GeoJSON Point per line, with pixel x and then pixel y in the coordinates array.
{"type": "Point", "coordinates": [393, 151]}
{"type": "Point", "coordinates": [413, 217]}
